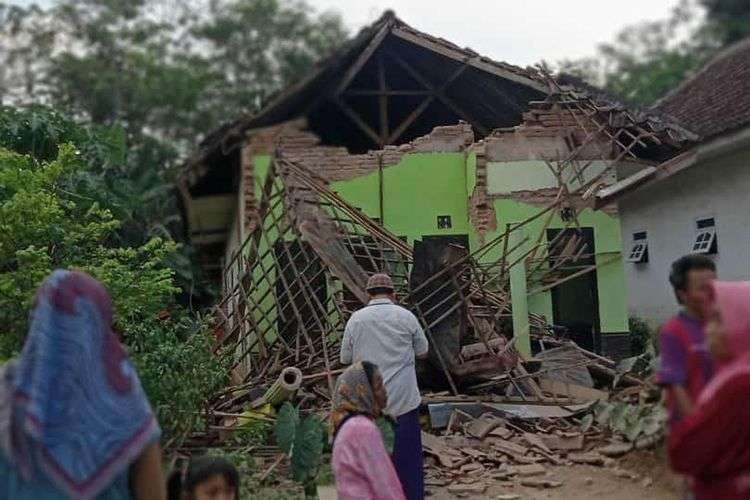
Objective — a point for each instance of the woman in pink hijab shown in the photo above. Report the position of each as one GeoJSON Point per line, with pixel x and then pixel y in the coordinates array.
{"type": "Point", "coordinates": [712, 445]}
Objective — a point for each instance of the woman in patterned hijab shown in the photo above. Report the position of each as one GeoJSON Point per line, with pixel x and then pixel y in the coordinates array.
{"type": "Point", "coordinates": [74, 420]}
{"type": "Point", "coordinates": [361, 465]}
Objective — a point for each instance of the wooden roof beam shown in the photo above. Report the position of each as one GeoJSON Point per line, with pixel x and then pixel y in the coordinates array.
{"type": "Point", "coordinates": [354, 69]}
{"type": "Point", "coordinates": [459, 55]}
{"type": "Point", "coordinates": [439, 92]}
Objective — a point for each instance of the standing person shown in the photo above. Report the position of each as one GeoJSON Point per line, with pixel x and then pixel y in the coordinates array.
{"type": "Point", "coordinates": [74, 420]}
{"type": "Point", "coordinates": [390, 337]}
{"type": "Point", "coordinates": [686, 365]}
{"type": "Point", "coordinates": [206, 478]}
{"type": "Point", "coordinates": [712, 443]}
{"type": "Point", "coordinates": [361, 465]}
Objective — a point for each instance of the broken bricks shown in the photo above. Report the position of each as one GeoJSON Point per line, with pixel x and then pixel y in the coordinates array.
{"type": "Point", "coordinates": [540, 483]}
{"type": "Point", "coordinates": [470, 488]}
{"type": "Point", "coordinates": [483, 426]}
{"type": "Point", "coordinates": [590, 458]}
{"type": "Point", "coordinates": [528, 470]}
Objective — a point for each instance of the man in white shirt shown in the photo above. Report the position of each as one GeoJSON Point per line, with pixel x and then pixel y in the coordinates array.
{"type": "Point", "coordinates": [390, 336]}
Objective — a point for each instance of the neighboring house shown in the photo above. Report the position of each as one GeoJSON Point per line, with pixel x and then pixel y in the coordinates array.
{"type": "Point", "coordinates": [699, 201]}
{"type": "Point", "coordinates": [441, 146]}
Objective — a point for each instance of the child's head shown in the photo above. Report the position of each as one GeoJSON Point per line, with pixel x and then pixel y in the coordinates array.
{"type": "Point", "coordinates": [691, 278]}
{"type": "Point", "coordinates": [206, 478]}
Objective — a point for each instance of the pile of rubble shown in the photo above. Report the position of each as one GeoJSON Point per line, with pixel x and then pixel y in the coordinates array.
{"type": "Point", "coordinates": [518, 444]}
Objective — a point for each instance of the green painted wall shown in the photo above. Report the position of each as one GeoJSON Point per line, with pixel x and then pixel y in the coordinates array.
{"type": "Point", "coordinates": [507, 177]}
{"type": "Point", "coordinates": [423, 186]}
{"type": "Point", "coordinates": [415, 192]}
{"type": "Point", "coordinates": [610, 277]}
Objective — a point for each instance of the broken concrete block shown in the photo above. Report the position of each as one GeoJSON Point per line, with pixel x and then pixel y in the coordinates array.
{"type": "Point", "coordinates": [473, 488]}
{"type": "Point", "coordinates": [501, 432]}
{"type": "Point", "coordinates": [481, 427]}
{"type": "Point", "coordinates": [615, 449]}
{"type": "Point", "coordinates": [591, 458]}
{"type": "Point", "coordinates": [528, 470]}
{"type": "Point", "coordinates": [540, 483]}
{"type": "Point", "coordinates": [535, 440]}
{"type": "Point", "coordinates": [563, 443]}
{"type": "Point", "coordinates": [619, 472]}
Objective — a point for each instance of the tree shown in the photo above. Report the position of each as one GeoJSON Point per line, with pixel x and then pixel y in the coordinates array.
{"type": "Point", "coordinates": [161, 74]}
{"type": "Point", "coordinates": [647, 60]}
{"type": "Point", "coordinates": [261, 46]}
{"type": "Point", "coordinates": [46, 223]}
{"type": "Point", "coordinates": [728, 19]}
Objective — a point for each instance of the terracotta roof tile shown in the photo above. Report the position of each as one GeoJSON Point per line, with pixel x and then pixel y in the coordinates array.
{"type": "Point", "coordinates": [717, 98]}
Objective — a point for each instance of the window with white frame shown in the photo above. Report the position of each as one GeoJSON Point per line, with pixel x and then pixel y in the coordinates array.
{"type": "Point", "coordinates": [639, 249]}
{"type": "Point", "coordinates": [705, 236]}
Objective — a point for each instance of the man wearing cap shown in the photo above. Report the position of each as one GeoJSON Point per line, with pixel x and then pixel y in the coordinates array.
{"type": "Point", "coordinates": [390, 336]}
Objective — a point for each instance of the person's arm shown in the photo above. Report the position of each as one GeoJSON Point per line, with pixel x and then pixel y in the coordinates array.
{"type": "Point", "coordinates": [682, 399]}
{"type": "Point", "coordinates": [419, 340]}
{"type": "Point", "coordinates": [346, 345]}
{"type": "Point", "coordinates": [712, 441]}
{"type": "Point", "coordinates": [672, 373]}
{"type": "Point", "coordinates": [147, 477]}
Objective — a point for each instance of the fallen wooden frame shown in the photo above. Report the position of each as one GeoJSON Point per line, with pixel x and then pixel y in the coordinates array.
{"type": "Point", "coordinates": [296, 279]}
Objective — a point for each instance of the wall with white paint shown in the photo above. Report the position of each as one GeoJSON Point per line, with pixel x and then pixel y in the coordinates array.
{"type": "Point", "coordinates": [667, 210]}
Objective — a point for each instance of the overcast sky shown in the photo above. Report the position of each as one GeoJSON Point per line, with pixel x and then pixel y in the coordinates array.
{"type": "Point", "coordinates": [521, 32]}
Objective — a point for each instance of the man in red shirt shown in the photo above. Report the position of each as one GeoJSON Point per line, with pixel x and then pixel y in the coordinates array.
{"type": "Point", "coordinates": [686, 365]}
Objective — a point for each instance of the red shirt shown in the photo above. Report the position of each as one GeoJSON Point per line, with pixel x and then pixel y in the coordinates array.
{"type": "Point", "coordinates": [684, 359]}
{"type": "Point", "coordinates": [712, 445]}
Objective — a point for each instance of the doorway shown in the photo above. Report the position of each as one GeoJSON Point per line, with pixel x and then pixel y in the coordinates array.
{"type": "Point", "coordinates": [575, 303]}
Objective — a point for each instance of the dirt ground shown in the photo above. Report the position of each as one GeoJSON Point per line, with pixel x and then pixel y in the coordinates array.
{"type": "Point", "coordinates": [641, 476]}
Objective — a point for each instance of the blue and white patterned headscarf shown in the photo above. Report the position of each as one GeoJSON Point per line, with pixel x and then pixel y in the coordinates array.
{"type": "Point", "coordinates": [79, 413]}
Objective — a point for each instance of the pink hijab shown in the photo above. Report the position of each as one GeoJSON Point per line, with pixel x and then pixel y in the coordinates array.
{"type": "Point", "coordinates": [733, 301]}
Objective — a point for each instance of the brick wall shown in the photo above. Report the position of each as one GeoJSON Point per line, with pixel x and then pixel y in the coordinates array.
{"type": "Point", "coordinates": [292, 141]}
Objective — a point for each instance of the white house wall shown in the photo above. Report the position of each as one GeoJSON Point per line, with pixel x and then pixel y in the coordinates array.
{"type": "Point", "coordinates": [667, 210]}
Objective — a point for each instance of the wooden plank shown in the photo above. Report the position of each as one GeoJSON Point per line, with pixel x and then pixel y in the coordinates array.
{"type": "Point", "coordinates": [574, 391]}
{"type": "Point", "coordinates": [387, 92]}
{"type": "Point", "coordinates": [605, 195]}
{"type": "Point", "coordinates": [353, 70]}
{"type": "Point", "coordinates": [358, 121]}
{"type": "Point", "coordinates": [410, 119]}
{"type": "Point", "coordinates": [459, 55]}
{"type": "Point", "coordinates": [382, 102]}
{"type": "Point", "coordinates": [438, 92]}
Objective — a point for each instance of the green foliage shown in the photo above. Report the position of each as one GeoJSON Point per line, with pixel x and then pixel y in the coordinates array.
{"type": "Point", "coordinates": [387, 432]}
{"type": "Point", "coordinates": [647, 60]}
{"type": "Point", "coordinates": [631, 420]}
{"type": "Point", "coordinates": [44, 226]}
{"type": "Point", "coordinates": [178, 372]}
{"type": "Point", "coordinates": [641, 335]}
{"type": "Point", "coordinates": [728, 19]}
{"type": "Point", "coordinates": [303, 440]}
{"type": "Point", "coordinates": [287, 423]}
{"type": "Point", "coordinates": [167, 74]}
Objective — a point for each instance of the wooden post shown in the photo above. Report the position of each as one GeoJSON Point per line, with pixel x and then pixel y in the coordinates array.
{"type": "Point", "coordinates": [520, 303]}
{"type": "Point", "coordinates": [382, 101]}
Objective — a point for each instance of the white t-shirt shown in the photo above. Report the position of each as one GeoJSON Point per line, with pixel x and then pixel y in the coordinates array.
{"type": "Point", "coordinates": [389, 336]}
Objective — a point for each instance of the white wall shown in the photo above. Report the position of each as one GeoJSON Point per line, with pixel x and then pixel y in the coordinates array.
{"type": "Point", "coordinates": [667, 210]}
{"type": "Point", "coordinates": [507, 177]}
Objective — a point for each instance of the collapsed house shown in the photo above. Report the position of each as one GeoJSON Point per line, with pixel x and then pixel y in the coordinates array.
{"type": "Point", "coordinates": [470, 181]}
